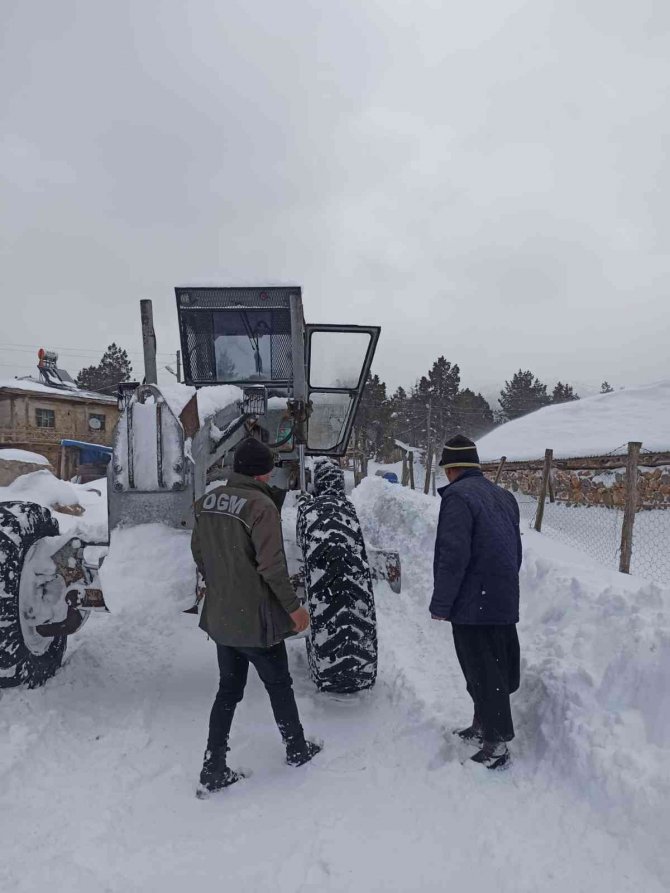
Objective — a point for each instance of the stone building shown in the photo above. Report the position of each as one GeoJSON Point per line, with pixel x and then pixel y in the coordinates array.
{"type": "Point", "coordinates": [36, 417]}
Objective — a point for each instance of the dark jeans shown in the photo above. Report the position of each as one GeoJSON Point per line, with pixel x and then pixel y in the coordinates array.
{"type": "Point", "coordinates": [272, 666]}
{"type": "Point", "coordinates": [489, 658]}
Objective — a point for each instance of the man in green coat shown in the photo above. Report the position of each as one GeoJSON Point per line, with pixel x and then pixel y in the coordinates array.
{"type": "Point", "coordinates": [250, 605]}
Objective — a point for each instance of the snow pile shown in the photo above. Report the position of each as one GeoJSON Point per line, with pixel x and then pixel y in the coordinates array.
{"type": "Point", "coordinates": [177, 396]}
{"type": "Point", "coordinates": [149, 572]}
{"type": "Point", "coordinates": [593, 710]}
{"type": "Point", "coordinates": [43, 488]}
{"type": "Point", "coordinates": [595, 701]}
{"type": "Point", "coordinates": [23, 456]}
{"type": "Point", "coordinates": [210, 399]}
{"type": "Point", "coordinates": [592, 426]}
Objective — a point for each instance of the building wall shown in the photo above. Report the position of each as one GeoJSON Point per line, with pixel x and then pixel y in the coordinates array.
{"type": "Point", "coordinates": [18, 422]}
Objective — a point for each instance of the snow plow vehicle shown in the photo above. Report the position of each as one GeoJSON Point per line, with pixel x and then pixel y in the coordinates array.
{"type": "Point", "coordinates": [252, 367]}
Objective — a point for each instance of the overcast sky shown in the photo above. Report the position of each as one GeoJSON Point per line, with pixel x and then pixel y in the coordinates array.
{"type": "Point", "coordinates": [488, 181]}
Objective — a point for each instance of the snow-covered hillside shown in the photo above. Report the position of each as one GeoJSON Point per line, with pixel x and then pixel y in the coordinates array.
{"type": "Point", "coordinates": [592, 426]}
{"type": "Point", "coordinates": [98, 768]}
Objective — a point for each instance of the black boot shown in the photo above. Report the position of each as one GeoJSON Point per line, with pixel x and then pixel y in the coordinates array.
{"type": "Point", "coordinates": [216, 774]}
{"type": "Point", "coordinates": [493, 755]}
{"type": "Point", "coordinates": [299, 751]}
{"type": "Point", "coordinates": [473, 732]}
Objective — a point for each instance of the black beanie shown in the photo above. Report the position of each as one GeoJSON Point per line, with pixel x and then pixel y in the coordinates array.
{"type": "Point", "coordinates": [459, 452]}
{"type": "Point", "coordinates": [253, 458]}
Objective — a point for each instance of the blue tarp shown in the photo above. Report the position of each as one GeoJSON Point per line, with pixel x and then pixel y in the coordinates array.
{"type": "Point", "coordinates": [89, 453]}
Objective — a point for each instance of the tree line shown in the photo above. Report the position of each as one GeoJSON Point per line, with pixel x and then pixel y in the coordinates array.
{"type": "Point", "coordinates": [436, 408]}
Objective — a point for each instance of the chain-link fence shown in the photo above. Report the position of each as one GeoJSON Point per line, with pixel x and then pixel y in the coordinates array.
{"type": "Point", "coordinates": [596, 531]}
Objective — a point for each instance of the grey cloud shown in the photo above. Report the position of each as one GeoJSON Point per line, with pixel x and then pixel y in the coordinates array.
{"type": "Point", "coordinates": [487, 181]}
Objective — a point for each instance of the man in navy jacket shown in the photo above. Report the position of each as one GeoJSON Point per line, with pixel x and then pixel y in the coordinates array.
{"type": "Point", "coordinates": [476, 574]}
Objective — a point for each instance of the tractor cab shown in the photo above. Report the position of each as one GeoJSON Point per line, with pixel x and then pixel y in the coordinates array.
{"type": "Point", "coordinates": [310, 378]}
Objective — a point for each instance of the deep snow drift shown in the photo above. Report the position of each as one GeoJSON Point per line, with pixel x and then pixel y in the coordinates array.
{"type": "Point", "coordinates": [593, 426]}
{"type": "Point", "coordinates": [98, 769]}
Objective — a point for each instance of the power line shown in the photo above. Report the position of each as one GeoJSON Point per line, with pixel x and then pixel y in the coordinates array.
{"type": "Point", "coordinates": [83, 353]}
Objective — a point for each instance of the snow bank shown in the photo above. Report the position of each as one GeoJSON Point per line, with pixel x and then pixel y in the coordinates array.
{"type": "Point", "coordinates": [595, 701]}
{"type": "Point", "coordinates": [594, 704]}
{"type": "Point", "coordinates": [149, 572]}
{"type": "Point", "coordinates": [592, 426]}
{"type": "Point", "coordinates": [43, 488]}
{"type": "Point", "coordinates": [23, 456]}
{"type": "Point", "coordinates": [210, 399]}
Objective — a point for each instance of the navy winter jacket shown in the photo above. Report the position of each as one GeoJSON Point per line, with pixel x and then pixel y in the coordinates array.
{"type": "Point", "coordinates": [477, 553]}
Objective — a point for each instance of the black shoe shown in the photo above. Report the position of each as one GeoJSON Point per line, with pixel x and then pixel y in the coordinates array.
{"type": "Point", "coordinates": [215, 774]}
{"type": "Point", "coordinates": [493, 755]}
{"type": "Point", "coordinates": [472, 733]}
{"type": "Point", "coordinates": [302, 752]}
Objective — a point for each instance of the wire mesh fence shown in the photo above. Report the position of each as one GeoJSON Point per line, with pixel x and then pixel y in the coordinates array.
{"type": "Point", "coordinates": [651, 546]}
{"type": "Point", "coordinates": [597, 531]}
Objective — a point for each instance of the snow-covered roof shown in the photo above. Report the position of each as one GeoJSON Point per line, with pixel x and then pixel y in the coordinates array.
{"type": "Point", "coordinates": [12, 455]}
{"type": "Point", "coordinates": [594, 426]}
{"type": "Point", "coordinates": [67, 392]}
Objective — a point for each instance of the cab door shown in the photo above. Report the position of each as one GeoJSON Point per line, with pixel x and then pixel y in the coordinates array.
{"type": "Point", "coordinates": [338, 363]}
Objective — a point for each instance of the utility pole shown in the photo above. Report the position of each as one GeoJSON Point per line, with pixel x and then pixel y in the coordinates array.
{"type": "Point", "coordinates": [428, 464]}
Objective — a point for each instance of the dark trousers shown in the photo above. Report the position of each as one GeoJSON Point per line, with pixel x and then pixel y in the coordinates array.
{"type": "Point", "coordinates": [489, 658]}
{"type": "Point", "coordinates": [272, 666]}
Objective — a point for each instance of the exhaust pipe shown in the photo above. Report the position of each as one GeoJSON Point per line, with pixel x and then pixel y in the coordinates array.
{"type": "Point", "coordinates": [148, 342]}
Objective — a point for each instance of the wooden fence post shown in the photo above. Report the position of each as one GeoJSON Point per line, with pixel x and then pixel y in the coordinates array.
{"type": "Point", "coordinates": [503, 459]}
{"type": "Point", "coordinates": [428, 460]}
{"type": "Point", "coordinates": [548, 456]}
{"type": "Point", "coordinates": [405, 473]}
{"type": "Point", "coordinates": [631, 506]}
{"type": "Point", "coordinates": [410, 460]}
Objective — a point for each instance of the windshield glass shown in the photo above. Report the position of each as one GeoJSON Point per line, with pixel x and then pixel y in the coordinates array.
{"type": "Point", "coordinates": [251, 345]}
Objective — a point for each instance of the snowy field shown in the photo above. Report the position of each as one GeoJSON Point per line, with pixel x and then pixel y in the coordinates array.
{"type": "Point", "coordinates": [98, 768]}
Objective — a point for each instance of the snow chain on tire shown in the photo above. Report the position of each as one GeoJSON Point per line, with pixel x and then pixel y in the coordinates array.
{"type": "Point", "coordinates": [342, 640]}
{"type": "Point", "coordinates": [21, 525]}
{"type": "Point", "coordinates": [328, 479]}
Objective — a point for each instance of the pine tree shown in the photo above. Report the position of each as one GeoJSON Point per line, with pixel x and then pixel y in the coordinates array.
{"type": "Point", "coordinates": [606, 388]}
{"type": "Point", "coordinates": [113, 368]}
{"type": "Point", "coordinates": [473, 414]}
{"type": "Point", "coordinates": [399, 419]}
{"type": "Point", "coordinates": [439, 390]}
{"type": "Point", "coordinates": [523, 394]}
{"type": "Point", "coordinates": [373, 416]}
{"type": "Point", "coordinates": [563, 393]}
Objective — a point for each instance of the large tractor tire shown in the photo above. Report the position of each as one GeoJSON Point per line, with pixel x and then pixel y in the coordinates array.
{"type": "Point", "coordinates": [25, 659]}
{"type": "Point", "coordinates": [328, 479]}
{"type": "Point", "coordinates": [342, 639]}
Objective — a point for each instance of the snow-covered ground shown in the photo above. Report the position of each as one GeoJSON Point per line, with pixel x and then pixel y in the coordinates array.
{"type": "Point", "coordinates": [593, 426]}
{"type": "Point", "coordinates": [98, 768]}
